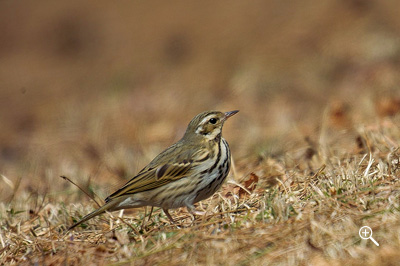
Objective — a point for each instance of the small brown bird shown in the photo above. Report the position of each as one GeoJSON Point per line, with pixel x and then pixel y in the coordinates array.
{"type": "Point", "coordinates": [189, 171]}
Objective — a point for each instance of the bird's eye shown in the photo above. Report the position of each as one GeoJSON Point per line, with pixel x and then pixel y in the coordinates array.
{"type": "Point", "coordinates": [213, 120]}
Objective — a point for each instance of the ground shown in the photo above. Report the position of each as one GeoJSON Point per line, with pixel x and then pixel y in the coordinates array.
{"type": "Point", "coordinates": [94, 92]}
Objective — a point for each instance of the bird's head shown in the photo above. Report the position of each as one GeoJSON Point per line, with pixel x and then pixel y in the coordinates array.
{"type": "Point", "coordinates": [208, 124]}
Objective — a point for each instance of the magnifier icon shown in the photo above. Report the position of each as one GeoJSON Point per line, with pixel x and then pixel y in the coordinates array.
{"type": "Point", "coordinates": [366, 233]}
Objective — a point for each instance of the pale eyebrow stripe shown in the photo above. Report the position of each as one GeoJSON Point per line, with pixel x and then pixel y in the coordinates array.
{"type": "Point", "coordinates": [206, 118]}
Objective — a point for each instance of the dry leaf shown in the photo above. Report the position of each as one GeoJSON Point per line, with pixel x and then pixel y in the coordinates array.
{"type": "Point", "coordinates": [388, 106]}
{"type": "Point", "coordinates": [339, 115]}
{"type": "Point", "coordinates": [250, 184]}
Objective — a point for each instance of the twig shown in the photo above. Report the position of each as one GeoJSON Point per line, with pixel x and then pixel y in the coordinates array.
{"type": "Point", "coordinates": [144, 218]}
{"type": "Point", "coordinates": [84, 191]}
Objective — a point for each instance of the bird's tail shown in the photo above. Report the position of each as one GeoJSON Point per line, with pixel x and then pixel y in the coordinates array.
{"type": "Point", "coordinates": [104, 208]}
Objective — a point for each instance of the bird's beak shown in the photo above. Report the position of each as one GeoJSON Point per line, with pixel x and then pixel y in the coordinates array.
{"type": "Point", "coordinates": [229, 114]}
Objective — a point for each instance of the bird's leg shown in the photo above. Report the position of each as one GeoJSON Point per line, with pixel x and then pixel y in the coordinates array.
{"type": "Point", "coordinates": [169, 216]}
{"type": "Point", "coordinates": [151, 212]}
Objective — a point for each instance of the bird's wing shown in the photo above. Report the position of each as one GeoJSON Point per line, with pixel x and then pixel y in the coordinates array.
{"type": "Point", "coordinates": [157, 174]}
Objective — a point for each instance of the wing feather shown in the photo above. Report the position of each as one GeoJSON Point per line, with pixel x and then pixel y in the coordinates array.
{"type": "Point", "coordinates": [153, 178]}
{"type": "Point", "coordinates": [160, 171]}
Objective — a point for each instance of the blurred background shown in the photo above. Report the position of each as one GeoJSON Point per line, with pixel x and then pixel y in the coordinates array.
{"type": "Point", "coordinates": [94, 90]}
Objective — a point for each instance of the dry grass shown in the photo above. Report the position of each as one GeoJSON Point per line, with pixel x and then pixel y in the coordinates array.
{"type": "Point", "coordinates": [93, 93]}
{"type": "Point", "coordinates": [306, 208]}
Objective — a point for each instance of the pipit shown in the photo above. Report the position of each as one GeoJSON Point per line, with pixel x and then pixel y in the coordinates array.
{"type": "Point", "coordinates": [189, 171]}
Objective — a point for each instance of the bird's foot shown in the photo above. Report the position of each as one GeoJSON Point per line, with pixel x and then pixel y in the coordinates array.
{"type": "Point", "coordinates": [192, 211]}
{"type": "Point", "coordinates": [198, 213]}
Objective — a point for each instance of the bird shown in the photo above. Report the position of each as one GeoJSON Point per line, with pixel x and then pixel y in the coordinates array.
{"type": "Point", "coordinates": [189, 171]}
